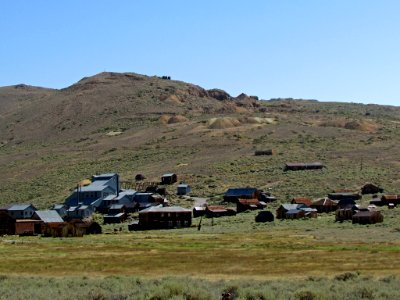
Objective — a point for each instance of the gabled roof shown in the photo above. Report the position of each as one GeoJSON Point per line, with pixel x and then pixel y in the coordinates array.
{"type": "Point", "coordinates": [168, 174]}
{"type": "Point", "coordinates": [183, 185]}
{"type": "Point", "coordinates": [302, 200]}
{"type": "Point", "coordinates": [164, 209]}
{"type": "Point", "coordinates": [49, 216]}
{"type": "Point", "coordinates": [237, 192]}
{"type": "Point", "coordinates": [58, 206]}
{"type": "Point", "coordinates": [20, 207]}
{"type": "Point", "coordinates": [288, 206]}
{"type": "Point", "coordinates": [324, 202]}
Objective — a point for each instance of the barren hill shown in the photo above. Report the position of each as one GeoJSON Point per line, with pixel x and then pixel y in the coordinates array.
{"type": "Point", "coordinates": [129, 123]}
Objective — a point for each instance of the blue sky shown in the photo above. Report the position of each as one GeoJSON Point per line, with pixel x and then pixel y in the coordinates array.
{"type": "Point", "coordinates": [326, 50]}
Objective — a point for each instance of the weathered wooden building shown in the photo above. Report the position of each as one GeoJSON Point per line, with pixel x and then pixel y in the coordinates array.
{"type": "Point", "coordinates": [367, 217]}
{"type": "Point", "coordinates": [302, 200]}
{"type": "Point", "coordinates": [370, 188]}
{"type": "Point", "coordinates": [215, 211]}
{"type": "Point", "coordinates": [249, 204]}
{"type": "Point", "coordinates": [165, 217]}
{"type": "Point", "coordinates": [264, 216]}
{"type": "Point", "coordinates": [324, 205]}
{"type": "Point", "coordinates": [169, 178]}
{"type": "Point", "coordinates": [303, 166]}
{"type": "Point", "coordinates": [234, 194]}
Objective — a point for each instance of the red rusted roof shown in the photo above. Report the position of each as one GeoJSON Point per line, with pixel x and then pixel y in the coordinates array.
{"type": "Point", "coordinates": [302, 200]}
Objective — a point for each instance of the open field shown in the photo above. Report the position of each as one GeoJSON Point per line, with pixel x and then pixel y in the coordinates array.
{"type": "Point", "coordinates": [298, 259]}
{"type": "Point", "coordinates": [235, 247]}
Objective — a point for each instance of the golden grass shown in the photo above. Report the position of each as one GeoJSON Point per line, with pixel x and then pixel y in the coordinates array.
{"type": "Point", "coordinates": [212, 256]}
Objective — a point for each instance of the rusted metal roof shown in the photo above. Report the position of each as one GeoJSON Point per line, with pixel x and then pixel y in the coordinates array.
{"type": "Point", "coordinates": [302, 200]}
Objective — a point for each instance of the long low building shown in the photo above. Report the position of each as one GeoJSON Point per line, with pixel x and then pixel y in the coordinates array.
{"type": "Point", "coordinates": [157, 217]}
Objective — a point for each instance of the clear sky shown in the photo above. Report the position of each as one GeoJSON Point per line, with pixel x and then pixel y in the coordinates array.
{"type": "Point", "coordinates": [333, 50]}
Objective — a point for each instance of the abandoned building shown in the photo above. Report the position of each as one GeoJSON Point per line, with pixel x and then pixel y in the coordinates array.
{"type": "Point", "coordinates": [234, 194]}
{"type": "Point", "coordinates": [303, 166]}
{"type": "Point", "coordinates": [264, 216]}
{"type": "Point", "coordinates": [249, 204]}
{"type": "Point", "coordinates": [169, 178]}
{"type": "Point", "coordinates": [324, 205]}
{"type": "Point", "coordinates": [158, 217]}
{"type": "Point", "coordinates": [367, 217]}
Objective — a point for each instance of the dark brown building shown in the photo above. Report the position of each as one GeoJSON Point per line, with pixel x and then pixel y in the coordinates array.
{"type": "Point", "coordinates": [367, 217]}
{"type": "Point", "coordinates": [303, 166]}
{"type": "Point", "coordinates": [324, 205]}
{"type": "Point", "coordinates": [249, 204]}
{"type": "Point", "coordinates": [165, 217]}
{"type": "Point", "coordinates": [169, 178]}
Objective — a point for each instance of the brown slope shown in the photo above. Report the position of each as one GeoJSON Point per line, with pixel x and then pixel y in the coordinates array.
{"type": "Point", "coordinates": [106, 101]}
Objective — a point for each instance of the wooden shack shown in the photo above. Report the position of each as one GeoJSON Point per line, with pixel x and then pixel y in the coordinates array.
{"type": "Point", "coordinates": [324, 205]}
{"type": "Point", "coordinates": [7, 223]}
{"type": "Point", "coordinates": [169, 178]}
{"type": "Point", "coordinates": [302, 200]}
{"type": "Point", "coordinates": [249, 204]}
{"type": "Point", "coordinates": [264, 216]}
{"type": "Point", "coordinates": [215, 211]}
{"type": "Point", "coordinates": [367, 217]}
{"type": "Point", "coordinates": [344, 195]}
{"type": "Point", "coordinates": [370, 188]}
{"type": "Point", "coordinates": [303, 166]}
{"type": "Point", "coordinates": [343, 214]}
{"type": "Point", "coordinates": [284, 208]}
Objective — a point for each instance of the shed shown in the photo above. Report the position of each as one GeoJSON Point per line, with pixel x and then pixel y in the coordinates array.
{"type": "Point", "coordinates": [324, 205]}
{"type": "Point", "coordinates": [263, 152]}
{"type": "Point", "coordinates": [265, 216]}
{"type": "Point", "coordinates": [303, 166]}
{"type": "Point", "coordinates": [386, 199]}
{"type": "Point", "coordinates": [249, 204]}
{"type": "Point", "coordinates": [234, 194]}
{"type": "Point", "coordinates": [169, 178]}
{"type": "Point", "coordinates": [367, 217]}
{"type": "Point", "coordinates": [183, 189]}
{"type": "Point", "coordinates": [158, 217]}
{"type": "Point", "coordinates": [198, 211]}
{"type": "Point", "coordinates": [50, 222]}
{"type": "Point", "coordinates": [284, 208]}
{"type": "Point", "coordinates": [370, 188]}
{"type": "Point", "coordinates": [215, 211]}
{"type": "Point", "coordinates": [7, 223]}
{"type": "Point", "coordinates": [302, 200]}
{"type": "Point", "coordinates": [27, 226]}
{"type": "Point", "coordinates": [114, 218]}
{"type": "Point", "coordinates": [310, 212]}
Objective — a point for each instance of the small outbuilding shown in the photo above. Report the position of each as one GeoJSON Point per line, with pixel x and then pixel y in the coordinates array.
{"type": "Point", "coordinates": [284, 208]}
{"type": "Point", "coordinates": [169, 178]}
{"type": "Point", "coordinates": [344, 195]}
{"type": "Point", "coordinates": [249, 204]}
{"type": "Point", "coordinates": [302, 200]}
{"type": "Point", "coordinates": [265, 216]}
{"type": "Point", "coordinates": [367, 217]}
{"type": "Point", "coordinates": [183, 189]}
{"type": "Point", "coordinates": [370, 188]}
{"type": "Point", "coordinates": [198, 211]}
{"type": "Point", "coordinates": [324, 205]}
{"type": "Point", "coordinates": [295, 214]}
{"type": "Point", "coordinates": [303, 166]}
{"type": "Point", "coordinates": [215, 211]}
